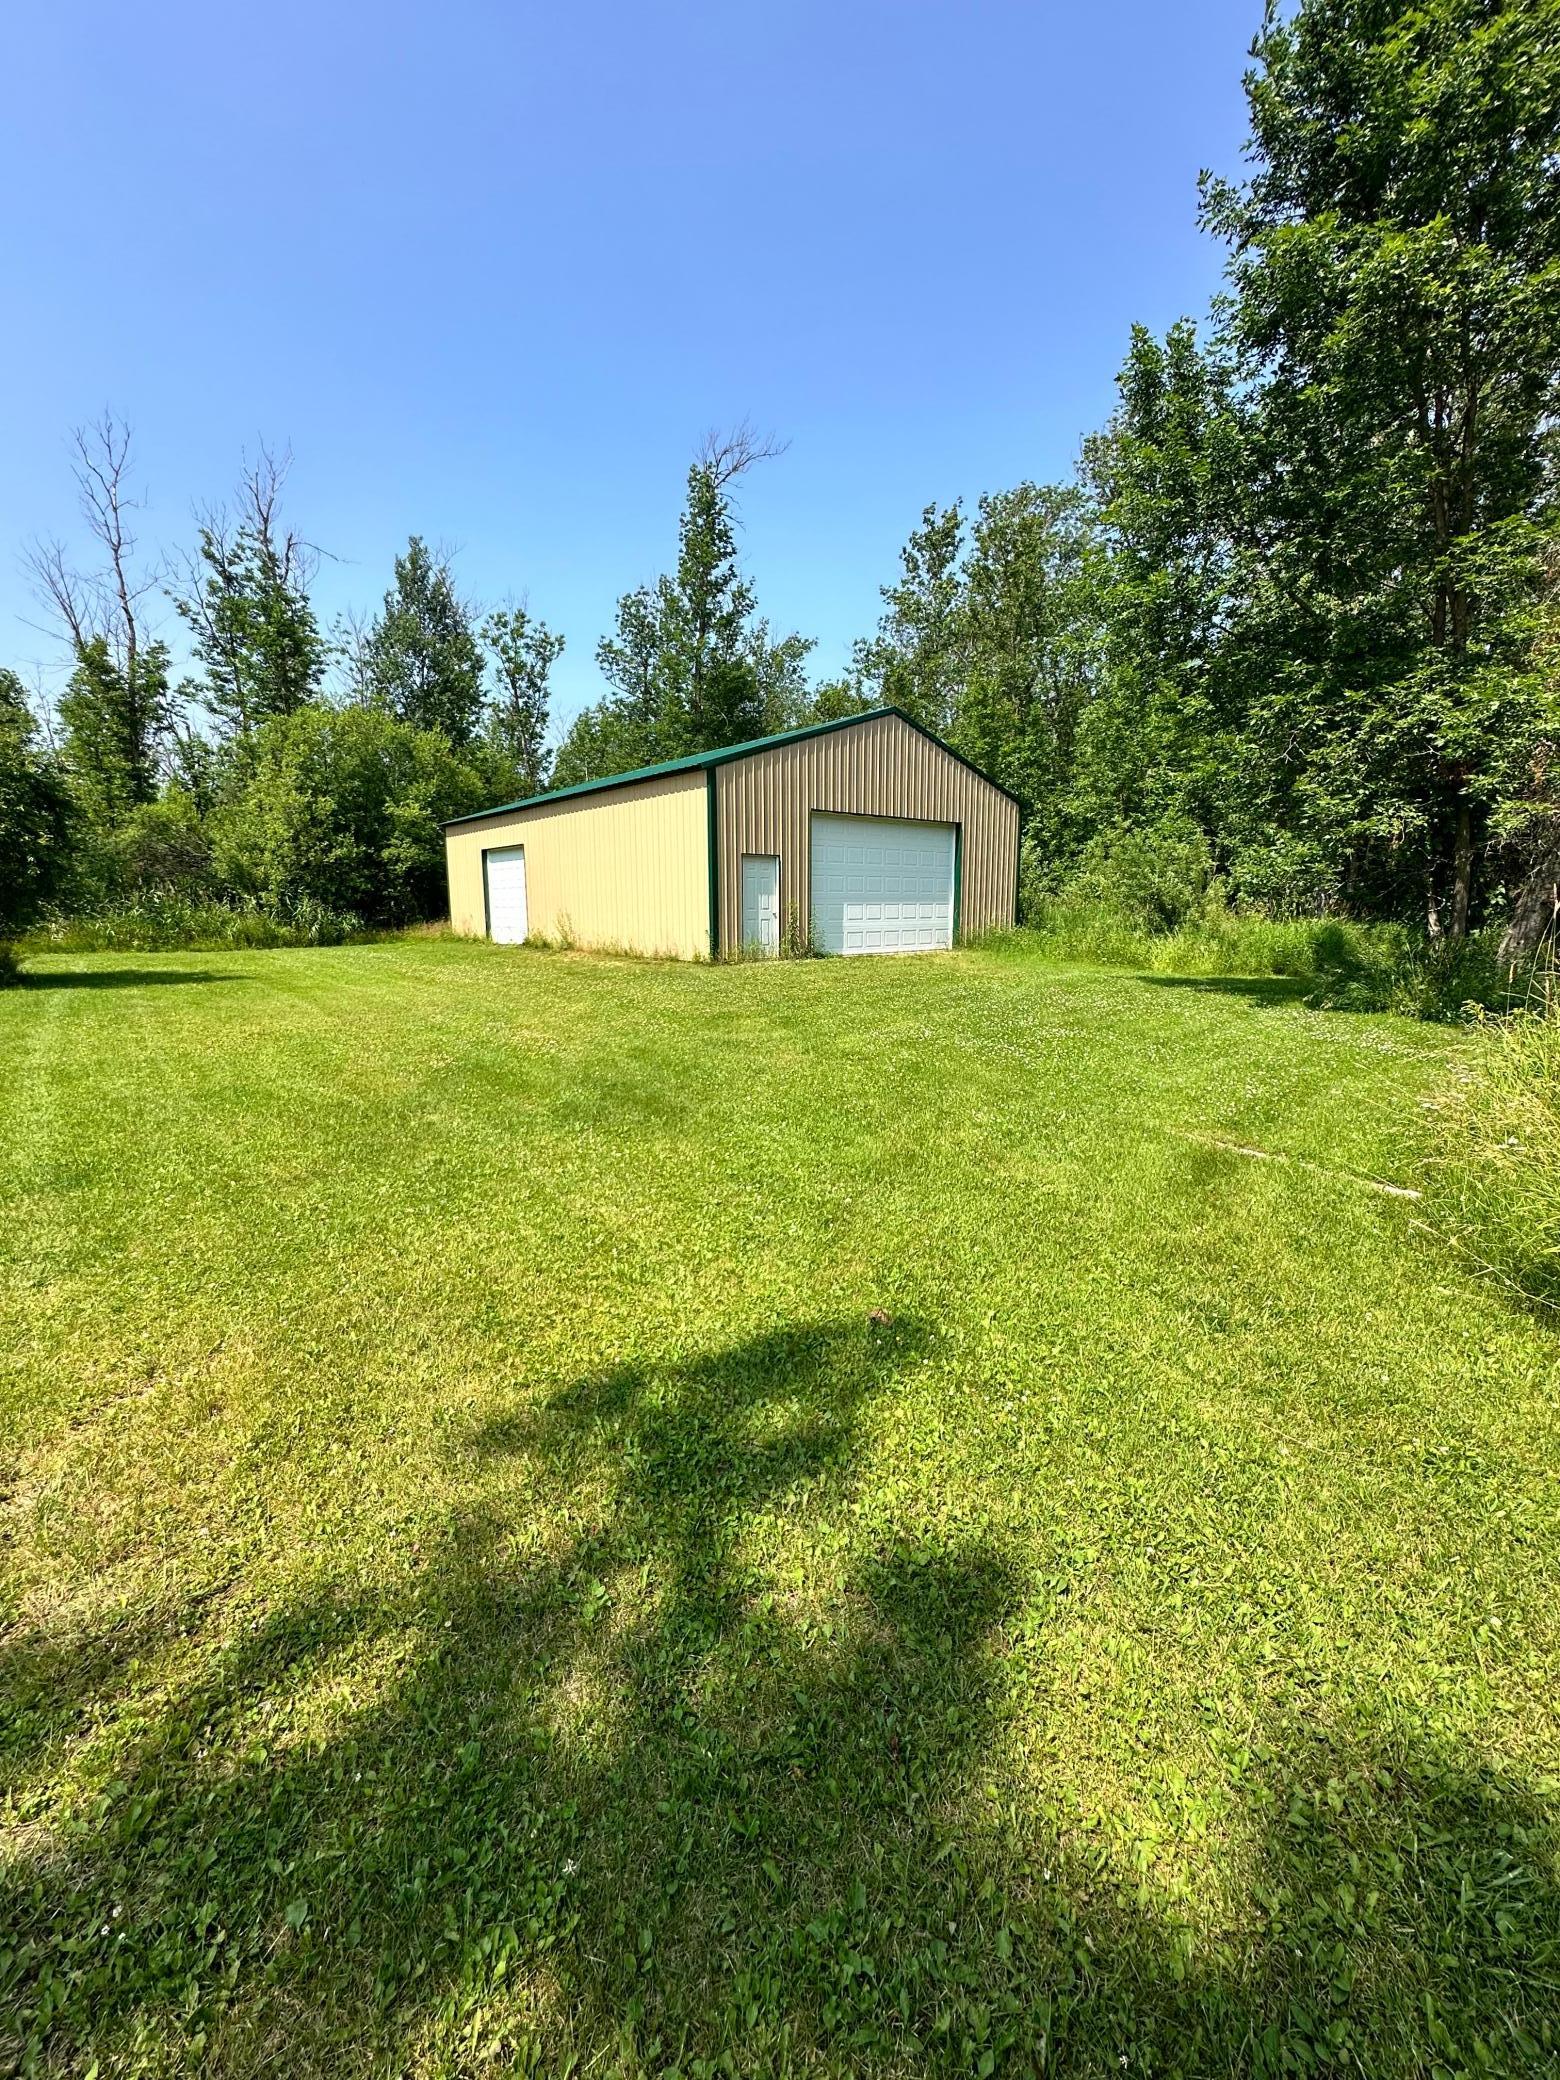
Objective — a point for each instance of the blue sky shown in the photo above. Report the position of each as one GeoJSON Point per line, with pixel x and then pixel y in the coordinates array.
{"type": "Point", "coordinates": [491, 270]}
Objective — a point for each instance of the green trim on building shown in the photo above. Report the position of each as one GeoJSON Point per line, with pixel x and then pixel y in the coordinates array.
{"type": "Point", "coordinates": [958, 883]}
{"type": "Point", "coordinates": [714, 866]}
{"type": "Point", "coordinates": [708, 760]}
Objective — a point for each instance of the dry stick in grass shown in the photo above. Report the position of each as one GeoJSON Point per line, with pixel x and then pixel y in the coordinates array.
{"type": "Point", "coordinates": [1274, 1155]}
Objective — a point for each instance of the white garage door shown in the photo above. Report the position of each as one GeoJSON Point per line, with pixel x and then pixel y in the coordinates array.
{"type": "Point", "coordinates": [881, 886]}
{"type": "Point", "coordinates": [506, 895]}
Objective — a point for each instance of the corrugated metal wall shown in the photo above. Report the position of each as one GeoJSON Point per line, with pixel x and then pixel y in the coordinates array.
{"type": "Point", "coordinates": [878, 768]}
{"type": "Point", "coordinates": [627, 868]}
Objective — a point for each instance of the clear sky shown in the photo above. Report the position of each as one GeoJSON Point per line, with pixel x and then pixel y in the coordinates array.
{"type": "Point", "coordinates": [490, 270]}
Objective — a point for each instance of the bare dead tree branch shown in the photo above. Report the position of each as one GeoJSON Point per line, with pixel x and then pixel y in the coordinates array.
{"type": "Point", "coordinates": [103, 457]}
{"type": "Point", "coordinates": [728, 455]}
{"type": "Point", "coordinates": [349, 645]}
{"type": "Point", "coordinates": [43, 706]}
{"type": "Point", "coordinates": [260, 492]}
{"type": "Point", "coordinates": [106, 604]}
{"type": "Point", "coordinates": [64, 591]}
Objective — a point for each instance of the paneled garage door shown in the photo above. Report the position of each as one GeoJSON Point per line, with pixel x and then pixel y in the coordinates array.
{"type": "Point", "coordinates": [882, 886]}
{"type": "Point", "coordinates": [505, 869]}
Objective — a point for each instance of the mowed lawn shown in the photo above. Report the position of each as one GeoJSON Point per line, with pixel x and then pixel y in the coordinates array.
{"type": "Point", "coordinates": [583, 1516]}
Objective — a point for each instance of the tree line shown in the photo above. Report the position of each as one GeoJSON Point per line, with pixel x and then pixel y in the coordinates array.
{"type": "Point", "coordinates": [1287, 636]}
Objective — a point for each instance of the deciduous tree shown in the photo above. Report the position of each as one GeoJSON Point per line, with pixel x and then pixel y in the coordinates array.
{"type": "Point", "coordinates": [690, 664]}
{"type": "Point", "coordinates": [36, 814]}
{"type": "Point", "coordinates": [244, 597]}
{"type": "Point", "coordinates": [917, 660]}
{"type": "Point", "coordinates": [421, 658]}
{"type": "Point", "coordinates": [522, 651]}
{"type": "Point", "coordinates": [1396, 301]}
{"type": "Point", "coordinates": [342, 807]}
{"type": "Point", "coordinates": [117, 709]}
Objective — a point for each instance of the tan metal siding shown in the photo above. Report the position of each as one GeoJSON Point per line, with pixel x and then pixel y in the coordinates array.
{"type": "Point", "coordinates": [628, 868]}
{"type": "Point", "coordinates": [877, 768]}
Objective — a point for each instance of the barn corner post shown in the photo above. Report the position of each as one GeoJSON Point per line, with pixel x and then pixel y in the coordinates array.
{"type": "Point", "coordinates": [714, 861]}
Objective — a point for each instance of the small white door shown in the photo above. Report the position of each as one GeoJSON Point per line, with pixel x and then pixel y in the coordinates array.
{"type": "Point", "coordinates": [761, 902]}
{"type": "Point", "coordinates": [880, 885]}
{"type": "Point", "coordinates": [506, 895]}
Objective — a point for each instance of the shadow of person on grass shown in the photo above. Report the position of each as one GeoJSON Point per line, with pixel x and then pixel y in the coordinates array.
{"type": "Point", "coordinates": [636, 1798]}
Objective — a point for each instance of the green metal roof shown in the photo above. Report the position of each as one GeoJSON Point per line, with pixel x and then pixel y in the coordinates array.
{"type": "Point", "coordinates": [698, 760]}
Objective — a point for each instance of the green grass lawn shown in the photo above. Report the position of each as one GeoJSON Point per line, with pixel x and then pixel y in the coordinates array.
{"type": "Point", "coordinates": [585, 1516]}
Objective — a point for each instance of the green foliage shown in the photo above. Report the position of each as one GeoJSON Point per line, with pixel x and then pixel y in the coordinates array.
{"type": "Point", "coordinates": [1146, 914]}
{"type": "Point", "coordinates": [690, 665]}
{"type": "Point", "coordinates": [1399, 969]}
{"type": "Point", "coordinates": [164, 845]}
{"type": "Point", "coordinates": [455, 1625]}
{"type": "Point", "coordinates": [161, 920]}
{"type": "Point", "coordinates": [992, 638]}
{"type": "Point", "coordinates": [523, 651]}
{"type": "Point", "coordinates": [246, 604]}
{"type": "Point", "coordinates": [603, 739]}
{"type": "Point", "coordinates": [1298, 599]}
{"type": "Point", "coordinates": [917, 659]}
{"type": "Point", "coordinates": [421, 659]}
{"type": "Point", "coordinates": [1324, 954]}
{"type": "Point", "coordinates": [36, 819]}
{"type": "Point", "coordinates": [115, 711]}
{"type": "Point", "coordinates": [1494, 1190]}
{"type": "Point", "coordinates": [833, 699]}
{"type": "Point", "coordinates": [1032, 632]}
{"type": "Point", "coordinates": [704, 615]}
{"type": "Point", "coordinates": [341, 807]}
{"type": "Point", "coordinates": [1393, 301]}
{"type": "Point", "coordinates": [1156, 878]}
{"type": "Point", "coordinates": [1162, 735]}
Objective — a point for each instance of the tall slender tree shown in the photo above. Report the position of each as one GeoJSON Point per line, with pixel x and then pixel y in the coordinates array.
{"type": "Point", "coordinates": [522, 651]}
{"type": "Point", "coordinates": [244, 597]}
{"type": "Point", "coordinates": [632, 660]}
{"type": "Point", "coordinates": [1164, 476]}
{"type": "Point", "coordinates": [917, 659]}
{"type": "Point", "coordinates": [117, 709]}
{"type": "Point", "coordinates": [707, 608]}
{"type": "Point", "coordinates": [689, 663]}
{"type": "Point", "coordinates": [1031, 597]}
{"type": "Point", "coordinates": [421, 658]}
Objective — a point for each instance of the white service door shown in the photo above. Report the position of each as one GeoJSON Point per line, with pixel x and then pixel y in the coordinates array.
{"type": "Point", "coordinates": [506, 895]}
{"type": "Point", "coordinates": [882, 886]}
{"type": "Point", "coordinates": [761, 902]}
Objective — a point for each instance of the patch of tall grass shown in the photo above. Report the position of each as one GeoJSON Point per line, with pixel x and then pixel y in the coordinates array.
{"type": "Point", "coordinates": [1214, 941]}
{"type": "Point", "coordinates": [1349, 966]}
{"type": "Point", "coordinates": [155, 922]}
{"type": "Point", "coordinates": [1494, 1180]}
{"type": "Point", "coordinates": [1154, 900]}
